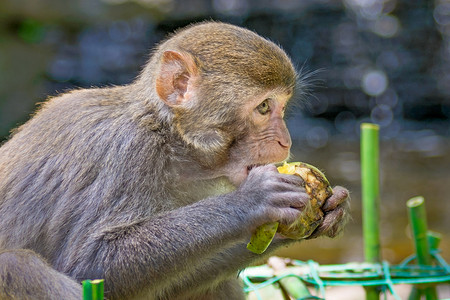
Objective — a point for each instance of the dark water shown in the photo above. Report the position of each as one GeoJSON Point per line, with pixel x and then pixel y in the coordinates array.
{"type": "Point", "coordinates": [404, 174]}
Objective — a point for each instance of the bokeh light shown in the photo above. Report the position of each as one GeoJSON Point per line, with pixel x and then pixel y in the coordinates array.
{"type": "Point", "coordinates": [386, 26]}
{"type": "Point", "coordinates": [374, 82]}
{"type": "Point", "coordinates": [382, 115]}
{"type": "Point", "coordinates": [317, 137]}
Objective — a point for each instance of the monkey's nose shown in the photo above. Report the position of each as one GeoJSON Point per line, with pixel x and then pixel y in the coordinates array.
{"type": "Point", "coordinates": [285, 144]}
{"type": "Point", "coordinates": [285, 141]}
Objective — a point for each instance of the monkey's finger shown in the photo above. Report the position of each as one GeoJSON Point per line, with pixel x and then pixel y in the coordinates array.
{"type": "Point", "coordinates": [294, 200]}
{"type": "Point", "coordinates": [340, 195]}
{"type": "Point", "coordinates": [332, 224]}
{"type": "Point", "coordinates": [342, 217]}
{"type": "Point", "coordinates": [286, 187]}
{"type": "Point", "coordinates": [289, 215]}
{"type": "Point", "coordinates": [292, 179]}
{"type": "Point", "coordinates": [263, 168]}
{"type": "Point", "coordinates": [261, 171]}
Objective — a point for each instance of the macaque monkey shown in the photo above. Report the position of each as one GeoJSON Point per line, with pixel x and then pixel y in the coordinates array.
{"type": "Point", "coordinates": [156, 186]}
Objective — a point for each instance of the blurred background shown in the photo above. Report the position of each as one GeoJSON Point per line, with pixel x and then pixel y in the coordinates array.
{"type": "Point", "coordinates": [381, 61]}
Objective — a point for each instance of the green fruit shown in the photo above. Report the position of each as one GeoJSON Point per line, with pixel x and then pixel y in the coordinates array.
{"type": "Point", "coordinates": [262, 238]}
{"type": "Point", "coordinates": [318, 188]}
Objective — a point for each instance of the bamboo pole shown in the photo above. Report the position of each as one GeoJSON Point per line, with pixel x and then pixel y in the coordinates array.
{"type": "Point", "coordinates": [292, 286]}
{"type": "Point", "coordinates": [434, 239]}
{"type": "Point", "coordinates": [370, 198]}
{"type": "Point", "coordinates": [418, 222]}
{"type": "Point", "coordinates": [93, 289]}
{"type": "Point", "coordinates": [295, 288]}
{"type": "Point", "coordinates": [87, 290]}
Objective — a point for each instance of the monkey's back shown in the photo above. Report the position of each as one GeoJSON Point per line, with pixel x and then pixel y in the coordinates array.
{"type": "Point", "coordinates": [72, 168]}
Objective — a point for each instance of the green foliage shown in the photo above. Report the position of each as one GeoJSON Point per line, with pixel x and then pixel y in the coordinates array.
{"type": "Point", "coordinates": [31, 31]}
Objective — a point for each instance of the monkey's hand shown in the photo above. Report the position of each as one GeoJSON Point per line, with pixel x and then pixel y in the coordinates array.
{"type": "Point", "coordinates": [272, 197]}
{"type": "Point", "coordinates": [336, 214]}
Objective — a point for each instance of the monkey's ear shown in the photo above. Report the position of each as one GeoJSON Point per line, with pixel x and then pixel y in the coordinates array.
{"type": "Point", "coordinates": [175, 77]}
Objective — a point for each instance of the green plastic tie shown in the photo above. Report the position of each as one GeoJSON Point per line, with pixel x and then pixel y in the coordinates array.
{"type": "Point", "coordinates": [389, 283]}
{"type": "Point", "coordinates": [315, 274]}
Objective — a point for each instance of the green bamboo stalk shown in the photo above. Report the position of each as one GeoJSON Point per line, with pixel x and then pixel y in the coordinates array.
{"type": "Point", "coordinates": [418, 222]}
{"type": "Point", "coordinates": [93, 289]}
{"type": "Point", "coordinates": [295, 287]}
{"type": "Point", "coordinates": [87, 290]}
{"type": "Point", "coordinates": [414, 294]}
{"type": "Point", "coordinates": [370, 198]}
{"type": "Point", "coordinates": [434, 239]}
{"type": "Point", "coordinates": [98, 288]}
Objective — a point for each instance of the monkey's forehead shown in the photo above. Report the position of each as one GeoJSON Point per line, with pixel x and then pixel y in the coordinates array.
{"type": "Point", "coordinates": [235, 51]}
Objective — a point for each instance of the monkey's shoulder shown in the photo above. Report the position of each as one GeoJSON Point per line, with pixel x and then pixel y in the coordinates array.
{"type": "Point", "coordinates": [88, 98]}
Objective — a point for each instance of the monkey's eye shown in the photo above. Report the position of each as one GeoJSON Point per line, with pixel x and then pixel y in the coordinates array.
{"type": "Point", "coordinates": [263, 108]}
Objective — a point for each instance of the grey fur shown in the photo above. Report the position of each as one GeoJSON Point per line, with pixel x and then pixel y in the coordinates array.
{"type": "Point", "coordinates": [92, 186]}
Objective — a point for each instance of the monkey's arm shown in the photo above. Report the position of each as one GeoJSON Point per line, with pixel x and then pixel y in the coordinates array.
{"type": "Point", "coordinates": [222, 266]}
{"type": "Point", "coordinates": [172, 251]}
{"type": "Point", "coordinates": [152, 255]}
{"type": "Point", "coordinates": [25, 275]}
{"type": "Point", "coordinates": [229, 262]}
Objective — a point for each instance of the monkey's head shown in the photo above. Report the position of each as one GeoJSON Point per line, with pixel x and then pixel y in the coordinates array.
{"type": "Point", "coordinates": [226, 89]}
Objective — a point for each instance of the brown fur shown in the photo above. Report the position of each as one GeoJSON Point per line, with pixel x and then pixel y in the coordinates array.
{"type": "Point", "coordinates": [137, 184]}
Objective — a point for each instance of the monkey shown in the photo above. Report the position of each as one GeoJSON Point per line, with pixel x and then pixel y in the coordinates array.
{"type": "Point", "coordinates": [156, 186]}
